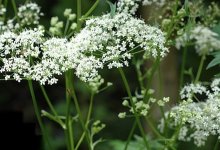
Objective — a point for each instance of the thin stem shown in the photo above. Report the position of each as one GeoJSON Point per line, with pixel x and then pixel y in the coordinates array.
{"type": "Point", "coordinates": [90, 108]}
{"type": "Point", "coordinates": [133, 105]}
{"type": "Point", "coordinates": [38, 115]}
{"type": "Point", "coordinates": [130, 135]}
{"type": "Point", "coordinates": [15, 9]}
{"type": "Point", "coordinates": [183, 66]}
{"type": "Point", "coordinates": [51, 106]}
{"type": "Point", "coordinates": [79, 14]}
{"type": "Point", "coordinates": [66, 27]}
{"type": "Point", "coordinates": [73, 94]}
{"type": "Point", "coordinates": [91, 9]}
{"type": "Point", "coordinates": [87, 121]}
{"type": "Point", "coordinates": [155, 66]}
{"type": "Point", "coordinates": [153, 128]}
{"type": "Point", "coordinates": [139, 75]}
{"type": "Point", "coordinates": [200, 68]}
{"type": "Point", "coordinates": [216, 144]}
{"type": "Point", "coordinates": [160, 82]}
{"type": "Point", "coordinates": [68, 114]}
{"type": "Point", "coordinates": [164, 118]}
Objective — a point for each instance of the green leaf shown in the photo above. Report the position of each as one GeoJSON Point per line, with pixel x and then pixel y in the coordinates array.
{"type": "Point", "coordinates": [113, 8]}
{"type": "Point", "coordinates": [216, 29]}
{"type": "Point", "coordinates": [214, 62]}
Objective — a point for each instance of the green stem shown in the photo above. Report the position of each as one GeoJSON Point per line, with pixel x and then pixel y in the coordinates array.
{"type": "Point", "coordinates": [165, 119]}
{"type": "Point", "coordinates": [216, 144]}
{"type": "Point", "coordinates": [200, 68]}
{"type": "Point", "coordinates": [69, 134]}
{"type": "Point", "coordinates": [90, 108]}
{"type": "Point", "coordinates": [133, 105]}
{"type": "Point", "coordinates": [160, 82]}
{"type": "Point", "coordinates": [87, 120]}
{"type": "Point", "coordinates": [183, 66]}
{"type": "Point", "coordinates": [73, 94]}
{"type": "Point", "coordinates": [15, 9]}
{"type": "Point", "coordinates": [66, 27]}
{"type": "Point", "coordinates": [38, 115]}
{"type": "Point", "coordinates": [51, 106]}
{"type": "Point", "coordinates": [139, 75]}
{"type": "Point", "coordinates": [91, 9]}
{"type": "Point", "coordinates": [153, 128]}
{"type": "Point", "coordinates": [79, 14]}
{"type": "Point", "coordinates": [130, 135]}
{"type": "Point", "coordinates": [155, 66]}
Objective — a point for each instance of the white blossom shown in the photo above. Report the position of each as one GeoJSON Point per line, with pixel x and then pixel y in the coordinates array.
{"type": "Point", "coordinates": [114, 40]}
{"type": "Point", "coordinates": [198, 120]}
{"type": "Point", "coordinates": [16, 50]}
{"type": "Point", "coordinates": [159, 3]}
{"type": "Point", "coordinates": [29, 14]}
{"type": "Point", "coordinates": [205, 40]}
{"type": "Point", "coordinates": [188, 90]}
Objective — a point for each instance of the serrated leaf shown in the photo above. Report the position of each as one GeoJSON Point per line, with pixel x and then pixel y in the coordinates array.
{"type": "Point", "coordinates": [113, 8]}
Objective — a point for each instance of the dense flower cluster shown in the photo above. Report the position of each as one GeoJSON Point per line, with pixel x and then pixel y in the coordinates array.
{"type": "Point", "coordinates": [16, 50]}
{"type": "Point", "coordinates": [205, 40]}
{"type": "Point", "coordinates": [128, 6]}
{"type": "Point", "coordinates": [104, 41]}
{"type": "Point", "coordinates": [198, 120]}
{"type": "Point", "coordinates": [189, 90]}
{"type": "Point", "coordinates": [131, 6]}
{"type": "Point", "coordinates": [29, 14]}
{"type": "Point", "coordinates": [114, 40]}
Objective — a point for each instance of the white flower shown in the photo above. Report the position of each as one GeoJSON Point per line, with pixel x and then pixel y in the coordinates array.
{"type": "Point", "coordinates": [114, 40]}
{"type": "Point", "coordinates": [198, 120]}
{"type": "Point", "coordinates": [86, 70]}
{"type": "Point", "coordinates": [29, 14]}
{"type": "Point", "coordinates": [159, 3]}
{"type": "Point", "coordinates": [16, 50]}
{"type": "Point", "coordinates": [128, 6]}
{"type": "Point", "coordinates": [205, 40]}
{"type": "Point", "coordinates": [188, 90]}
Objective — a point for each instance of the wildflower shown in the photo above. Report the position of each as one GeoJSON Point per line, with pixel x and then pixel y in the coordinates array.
{"type": "Point", "coordinates": [205, 40]}
{"type": "Point", "coordinates": [113, 40]}
{"type": "Point", "coordinates": [122, 115]}
{"type": "Point", "coordinates": [29, 14]}
{"type": "Point", "coordinates": [198, 120]}
{"type": "Point", "coordinates": [188, 90]}
{"type": "Point", "coordinates": [159, 3]}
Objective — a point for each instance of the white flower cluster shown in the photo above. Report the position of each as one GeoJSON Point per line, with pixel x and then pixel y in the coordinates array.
{"type": "Point", "coordinates": [189, 90]}
{"type": "Point", "coordinates": [198, 120]}
{"type": "Point", "coordinates": [16, 50]}
{"type": "Point", "coordinates": [131, 6]}
{"type": "Point", "coordinates": [139, 106]}
{"type": "Point", "coordinates": [205, 40]}
{"type": "Point", "coordinates": [2, 10]}
{"type": "Point", "coordinates": [113, 40]}
{"type": "Point", "coordinates": [29, 14]}
{"type": "Point", "coordinates": [105, 41]}
{"type": "Point", "coordinates": [159, 3]}
{"type": "Point", "coordinates": [128, 6]}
